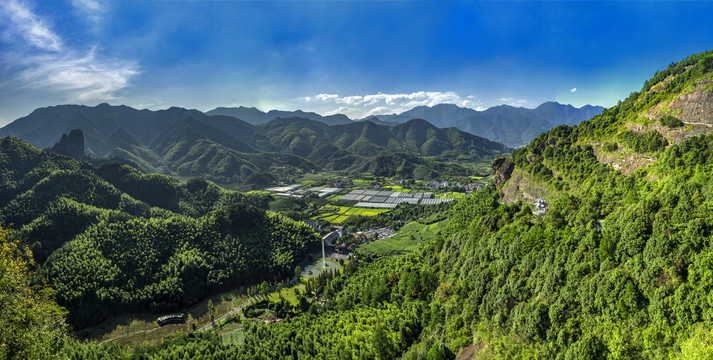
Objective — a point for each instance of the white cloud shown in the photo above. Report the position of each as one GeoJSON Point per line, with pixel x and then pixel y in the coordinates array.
{"type": "Point", "coordinates": [41, 64]}
{"type": "Point", "coordinates": [514, 102]}
{"type": "Point", "coordinates": [33, 29]}
{"type": "Point", "coordinates": [357, 106]}
{"type": "Point", "coordinates": [381, 110]}
{"type": "Point", "coordinates": [82, 76]}
{"type": "Point", "coordinates": [327, 97]}
{"type": "Point", "coordinates": [573, 90]}
{"type": "Point", "coordinates": [341, 110]}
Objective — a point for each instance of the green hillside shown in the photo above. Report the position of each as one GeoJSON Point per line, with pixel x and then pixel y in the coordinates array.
{"type": "Point", "coordinates": [620, 267]}
{"type": "Point", "coordinates": [112, 239]}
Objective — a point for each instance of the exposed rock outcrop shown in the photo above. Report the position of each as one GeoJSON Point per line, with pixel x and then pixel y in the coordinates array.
{"type": "Point", "coordinates": [71, 145]}
{"type": "Point", "coordinates": [695, 107]}
{"type": "Point", "coordinates": [503, 169]}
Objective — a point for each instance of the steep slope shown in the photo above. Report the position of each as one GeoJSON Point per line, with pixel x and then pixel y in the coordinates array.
{"type": "Point", "coordinates": [622, 253]}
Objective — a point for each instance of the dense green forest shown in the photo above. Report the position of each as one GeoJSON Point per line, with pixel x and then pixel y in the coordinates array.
{"type": "Point", "coordinates": [111, 239]}
{"type": "Point", "coordinates": [620, 267]}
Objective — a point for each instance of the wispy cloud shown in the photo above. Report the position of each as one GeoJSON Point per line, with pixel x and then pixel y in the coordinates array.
{"type": "Point", "coordinates": [30, 27]}
{"type": "Point", "coordinates": [81, 76]}
{"type": "Point", "coordinates": [357, 106]}
{"type": "Point", "coordinates": [573, 90]}
{"type": "Point", "coordinates": [38, 61]}
{"type": "Point", "coordinates": [93, 10]}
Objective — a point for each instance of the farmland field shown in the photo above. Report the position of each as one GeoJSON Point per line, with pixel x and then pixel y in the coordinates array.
{"type": "Point", "coordinates": [339, 214]}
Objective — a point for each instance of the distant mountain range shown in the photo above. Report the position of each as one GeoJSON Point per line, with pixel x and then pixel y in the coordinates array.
{"type": "Point", "coordinates": [256, 117]}
{"type": "Point", "coordinates": [505, 124]}
{"type": "Point", "coordinates": [225, 149]}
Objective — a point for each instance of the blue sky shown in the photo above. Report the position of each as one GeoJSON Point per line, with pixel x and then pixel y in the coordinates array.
{"type": "Point", "coordinates": [354, 57]}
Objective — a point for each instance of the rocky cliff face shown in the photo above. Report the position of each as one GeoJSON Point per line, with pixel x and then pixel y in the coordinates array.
{"type": "Point", "coordinates": [695, 107]}
{"type": "Point", "coordinates": [71, 145]}
{"type": "Point", "coordinates": [503, 169]}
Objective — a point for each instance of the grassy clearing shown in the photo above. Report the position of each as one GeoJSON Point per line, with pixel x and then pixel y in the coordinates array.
{"type": "Point", "coordinates": [287, 293]}
{"type": "Point", "coordinates": [408, 239]}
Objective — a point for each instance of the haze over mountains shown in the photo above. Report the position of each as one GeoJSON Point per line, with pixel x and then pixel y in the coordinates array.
{"type": "Point", "coordinates": [512, 126]}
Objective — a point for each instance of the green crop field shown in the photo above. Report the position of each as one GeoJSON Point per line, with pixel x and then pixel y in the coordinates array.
{"type": "Point", "coordinates": [450, 195]}
{"type": "Point", "coordinates": [373, 212]}
{"type": "Point", "coordinates": [339, 214]}
{"type": "Point", "coordinates": [340, 219]}
{"type": "Point", "coordinates": [354, 211]}
{"type": "Point", "coordinates": [410, 237]}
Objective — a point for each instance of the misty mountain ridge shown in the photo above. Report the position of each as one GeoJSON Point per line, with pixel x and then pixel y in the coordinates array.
{"type": "Point", "coordinates": [512, 126]}
{"type": "Point", "coordinates": [509, 125]}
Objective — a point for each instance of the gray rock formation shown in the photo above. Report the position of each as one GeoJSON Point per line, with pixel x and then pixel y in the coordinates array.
{"type": "Point", "coordinates": [71, 145]}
